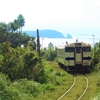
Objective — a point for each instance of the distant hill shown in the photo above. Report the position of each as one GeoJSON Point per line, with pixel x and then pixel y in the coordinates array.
{"type": "Point", "coordinates": [68, 36]}
{"type": "Point", "coordinates": [47, 33]}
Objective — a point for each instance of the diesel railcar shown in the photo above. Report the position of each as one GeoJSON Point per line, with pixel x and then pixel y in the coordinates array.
{"type": "Point", "coordinates": [75, 56]}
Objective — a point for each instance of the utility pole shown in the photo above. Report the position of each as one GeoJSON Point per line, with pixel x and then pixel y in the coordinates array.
{"type": "Point", "coordinates": [93, 39]}
{"type": "Point", "coordinates": [42, 42]}
{"type": "Point", "coordinates": [38, 42]}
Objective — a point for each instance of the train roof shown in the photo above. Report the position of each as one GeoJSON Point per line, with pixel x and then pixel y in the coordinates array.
{"type": "Point", "coordinates": [82, 44]}
{"type": "Point", "coordinates": [74, 44]}
{"type": "Point", "coordinates": [61, 46]}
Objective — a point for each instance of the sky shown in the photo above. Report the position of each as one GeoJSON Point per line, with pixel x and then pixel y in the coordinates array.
{"type": "Point", "coordinates": [66, 16]}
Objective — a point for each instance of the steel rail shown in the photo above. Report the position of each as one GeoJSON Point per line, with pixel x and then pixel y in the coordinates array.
{"type": "Point", "coordinates": [68, 89]}
{"type": "Point", "coordinates": [85, 89]}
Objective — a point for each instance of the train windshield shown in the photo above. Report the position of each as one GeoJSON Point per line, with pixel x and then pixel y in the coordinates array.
{"type": "Point", "coordinates": [86, 49]}
{"type": "Point", "coordinates": [69, 49]}
{"type": "Point", "coordinates": [78, 49]}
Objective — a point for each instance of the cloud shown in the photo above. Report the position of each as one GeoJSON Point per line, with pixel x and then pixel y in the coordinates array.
{"type": "Point", "coordinates": [51, 13]}
{"type": "Point", "coordinates": [59, 10]}
{"type": "Point", "coordinates": [43, 10]}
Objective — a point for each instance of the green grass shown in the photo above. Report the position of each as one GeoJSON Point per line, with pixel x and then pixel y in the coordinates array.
{"type": "Point", "coordinates": [77, 90]}
{"type": "Point", "coordinates": [25, 89]}
{"type": "Point", "coordinates": [58, 81]}
{"type": "Point", "coordinates": [62, 78]}
{"type": "Point", "coordinates": [92, 92]}
{"type": "Point", "coordinates": [94, 86]}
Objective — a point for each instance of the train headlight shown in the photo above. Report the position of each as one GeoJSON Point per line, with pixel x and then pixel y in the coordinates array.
{"type": "Point", "coordinates": [87, 44]}
{"type": "Point", "coordinates": [68, 44]}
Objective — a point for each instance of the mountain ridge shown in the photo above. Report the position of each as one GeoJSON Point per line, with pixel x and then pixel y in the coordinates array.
{"type": "Point", "coordinates": [47, 33]}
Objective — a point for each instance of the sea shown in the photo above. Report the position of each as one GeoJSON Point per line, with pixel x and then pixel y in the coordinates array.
{"type": "Point", "coordinates": [44, 42]}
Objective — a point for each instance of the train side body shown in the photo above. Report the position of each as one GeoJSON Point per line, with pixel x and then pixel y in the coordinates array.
{"type": "Point", "coordinates": [61, 55]}
{"type": "Point", "coordinates": [75, 56]}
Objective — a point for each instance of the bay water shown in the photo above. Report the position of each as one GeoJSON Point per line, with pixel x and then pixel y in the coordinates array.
{"type": "Point", "coordinates": [61, 41]}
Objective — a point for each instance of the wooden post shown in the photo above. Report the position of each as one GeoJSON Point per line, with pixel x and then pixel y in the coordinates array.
{"type": "Point", "coordinates": [38, 42]}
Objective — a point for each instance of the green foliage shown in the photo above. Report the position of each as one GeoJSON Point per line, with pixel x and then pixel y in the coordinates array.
{"type": "Point", "coordinates": [3, 27]}
{"type": "Point", "coordinates": [24, 89]}
{"type": "Point", "coordinates": [19, 90]}
{"type": "Point", "coordinates": [9, 32]}
{"type": "Point", "coordinates": [4, 81]}
{"type": "Point", "coordinates": [20, 22]}
{"type": "Point", "coordinates": [98, 82]}
{"type": "Point", "coordinates": [97, 98]}
{"type": "Point", "coordinates": [12, 27]}
{"type": "Point", "coordinates": [50, 87]}
{"type": "Point", "coordinates": [50, 53]}
{"type": "Point", "coordinates": [42, 75]}
{"type": "Point", "coordinates": [96, 55]}
{"type": "Point", "coordinates": [18, 62]}
{"type": "Point", "coordinates": [24, 75]}
{"type": "Point", "coordinates": [54, 77]}
{"type": "Point", "coordinates": [25, 86]}
{"type": "Point", "coordinates": [1, 59]}
{"type": "Point", "coordinates": [16, 39]}
{"type": "Point", "coordinates": [12, 61]}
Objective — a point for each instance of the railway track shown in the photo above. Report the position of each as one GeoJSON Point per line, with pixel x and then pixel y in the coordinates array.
{"type": "Point", "coordinates": [75, 90]}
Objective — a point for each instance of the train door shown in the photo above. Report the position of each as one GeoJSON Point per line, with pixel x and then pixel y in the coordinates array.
{"type": "Point", "coordinates": [78, 56]}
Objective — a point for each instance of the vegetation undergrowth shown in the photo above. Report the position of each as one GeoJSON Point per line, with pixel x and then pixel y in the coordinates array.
{"type": "Point", "coordinates": [93, 92]}
{"type": "Point", "coordinates": [25, 89]}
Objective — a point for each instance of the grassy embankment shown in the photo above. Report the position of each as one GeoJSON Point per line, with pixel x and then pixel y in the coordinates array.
{"type": "Point", "coordinates": [58, 81]}
{"type": "Point", "coordinates": [92, 92]}
{"type": "Point", "coordinates": [94, 86]}
{"type": "Point", "coordinates": [64, 80]}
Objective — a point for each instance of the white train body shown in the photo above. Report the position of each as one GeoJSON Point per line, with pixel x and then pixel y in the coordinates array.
{"type": "Point", "coordinates": [75, 56]}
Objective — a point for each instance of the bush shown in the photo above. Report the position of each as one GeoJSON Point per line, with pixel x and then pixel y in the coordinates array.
{"type": "Point", "coordinates": [50, 87]}
{"type": "Point", "coordinates": [19, 62]}
{"type": "Point", "coordinates": [4, 81]}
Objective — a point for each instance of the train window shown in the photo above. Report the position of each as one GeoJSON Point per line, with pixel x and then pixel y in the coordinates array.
{"type": "Point", "coordinates": [69, 49]}
{"type": "Point", "coordinates": [78, 44]}
{"type": "Point", "coordinates": [78, 50]}
{"type": "Point", "coordinates": [86, 49]}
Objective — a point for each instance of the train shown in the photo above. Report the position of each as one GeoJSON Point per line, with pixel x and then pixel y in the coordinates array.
{"type": "Point", "coordinates": [74, 56]}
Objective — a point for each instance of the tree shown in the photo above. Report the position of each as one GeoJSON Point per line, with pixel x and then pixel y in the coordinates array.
{"type": "Point", "coordinates": [19, 62]}
{"type": "Point", "coordinates": [21, 22]}
{"type": "Point", "coordinates": [3, 27]}
{"type": "Point", "coordinates": [12, 27]}
{"type": "Point", "coordinates": [17, 24]}
{"type": "Point", "coordinates": [96, 55]}
{"type": "Point", "coordinates": [50, 53]}
{"type": "Point", "coordinates": [50, 46]}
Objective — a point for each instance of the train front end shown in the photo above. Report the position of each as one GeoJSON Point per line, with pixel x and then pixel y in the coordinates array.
{"type": "Point", "coordinates": [78, 56]}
